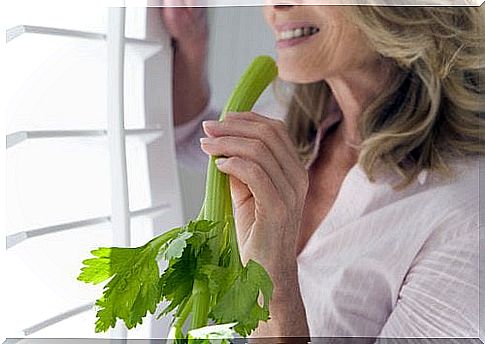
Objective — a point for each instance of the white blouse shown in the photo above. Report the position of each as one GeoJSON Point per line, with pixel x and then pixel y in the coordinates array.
{"type": "Point", "coordinates": [385, 263]}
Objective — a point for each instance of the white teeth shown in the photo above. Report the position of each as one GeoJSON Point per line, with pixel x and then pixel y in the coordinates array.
{"type": "Point", "coordinates": [295, 33]}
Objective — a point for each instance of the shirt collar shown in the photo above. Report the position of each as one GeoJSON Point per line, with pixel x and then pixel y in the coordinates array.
{"type": "Point", "coordinates": [333, 118]}
{"type": "Point", "coordinates": [327, 123]}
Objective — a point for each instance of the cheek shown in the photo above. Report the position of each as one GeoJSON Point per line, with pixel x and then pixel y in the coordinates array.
{"type": "Point", "coordinates": [313, 60]}
{"type": "Point", "coordinates": [337, 50]}
{"type": "Point", "coordinates": [269, 17]}
{"type": "Point", "coordinates": [266, 15]}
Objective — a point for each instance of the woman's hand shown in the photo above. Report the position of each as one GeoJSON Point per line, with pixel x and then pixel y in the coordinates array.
{"type": "Point", "coordinates": [189, 30]}
{"type": "Point", "coordinates": [268, 185]}
{"type": "Point", "coordinates": [187, 25]}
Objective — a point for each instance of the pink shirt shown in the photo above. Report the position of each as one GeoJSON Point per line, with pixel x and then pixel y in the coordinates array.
{"type": "Point", "coordinates": [384, 263]}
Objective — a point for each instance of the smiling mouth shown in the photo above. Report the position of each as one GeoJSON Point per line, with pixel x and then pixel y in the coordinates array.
{"type": "Point", "coordinates": [297, 33]}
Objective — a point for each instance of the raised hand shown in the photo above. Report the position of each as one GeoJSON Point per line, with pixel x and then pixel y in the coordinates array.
{"type": "Point", "coordinates": [268, 184]}
{"type": "Point", "coordinates": [187, 25]}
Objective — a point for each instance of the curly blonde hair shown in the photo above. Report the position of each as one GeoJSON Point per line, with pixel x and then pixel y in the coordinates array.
{"type": "Point", "coordinates": [433, 110]}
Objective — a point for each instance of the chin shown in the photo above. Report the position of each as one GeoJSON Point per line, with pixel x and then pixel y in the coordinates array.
{"type": "Point", "coordinates": [297, 71]}
{"type": "Point", "coordinates": [297, 76]}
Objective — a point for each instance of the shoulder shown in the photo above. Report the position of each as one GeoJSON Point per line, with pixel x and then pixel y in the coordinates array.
{"type": "Point", "coordinates": [433, 208]}
{"type": "Point", "coordinates": [452, 204]}
{"type": "Point", "coordinates": [456, 199]}
{"type": "Point", "coordinates": [442, 278]}
{"type": "Point", "coordinates": [431, 192]}
{"type": "Point", "coordinates": [463, 183]}
{"type": "Point", "coordinates": [462, 186]}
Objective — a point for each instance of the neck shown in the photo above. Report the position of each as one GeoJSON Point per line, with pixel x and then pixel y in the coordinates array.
{"type": "Point", "coordinates": [353, 91]}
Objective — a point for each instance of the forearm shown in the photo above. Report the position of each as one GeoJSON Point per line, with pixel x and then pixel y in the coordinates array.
{"type": "Point", "coordinates": [288, 323]}
{"type": "Point", "coordinates": [191, 89]}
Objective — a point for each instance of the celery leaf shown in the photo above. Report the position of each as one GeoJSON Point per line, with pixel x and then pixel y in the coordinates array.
{"type": "Point", "coordinates": [240, 302]}
{"type": "Point", "coordinates": [134, 286]}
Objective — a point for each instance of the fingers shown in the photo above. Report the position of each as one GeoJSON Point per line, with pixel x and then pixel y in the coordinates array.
{"type": "Point", "coordinates": [263, 142]}
{"type": "Point", "coordinates": [270, 132]}
{"type": "Point", "coordinates": [185, 23]}
{"type": "Point", "coordinates": [253, 150]}
{"type": "Point", "coordinates": [278, 126]}
{"type": "Point", "coordinates": [265, 195]}
{"type": "Point", "coordinates": [240, 192]}
{"type": "Point", "coordinates": [274, 132]}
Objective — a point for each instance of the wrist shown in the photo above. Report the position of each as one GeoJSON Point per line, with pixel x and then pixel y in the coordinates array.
{"type": "Point", "coordinates": [192, 51]}
{"type": "Point", "coordinates": [190, 65]}
{"type": "Point", "coordinates": [285, 282]}
{"type": "Point", "coordinates": [283, 295]}
{"type": "Point", "coordinates": [191, 92]}
{"type": "Point", "coordinates": [288, 322]}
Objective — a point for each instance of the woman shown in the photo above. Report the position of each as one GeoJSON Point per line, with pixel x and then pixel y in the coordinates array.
{"type": "Point", "coordinates": [363, 205]}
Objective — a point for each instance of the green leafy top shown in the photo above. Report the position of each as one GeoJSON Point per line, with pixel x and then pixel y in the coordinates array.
{"type": "Point", "coordinates": [136, 286]}
{"type": "Point", "coordinates": [133, 288]}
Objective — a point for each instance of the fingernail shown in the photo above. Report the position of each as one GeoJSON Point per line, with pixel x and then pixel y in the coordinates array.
{"type": "Point", "coordinates": [204, 140]}
{"type": "Point", "coordinates": [208, 124]}
{"type": "Point", "coordinates": [221, 161]}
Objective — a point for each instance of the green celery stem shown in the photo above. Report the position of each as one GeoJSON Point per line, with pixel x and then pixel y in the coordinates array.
{"type": "Point", "coordinates": [200, 307]}
{"type": "Point", "coordinates": [217, 205]}
{"type": "Point", "coordinates": [180, 320]}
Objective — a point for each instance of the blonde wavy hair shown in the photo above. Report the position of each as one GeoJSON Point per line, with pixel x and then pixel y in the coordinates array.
{"type": "Point", "coordinates": [431, 113]}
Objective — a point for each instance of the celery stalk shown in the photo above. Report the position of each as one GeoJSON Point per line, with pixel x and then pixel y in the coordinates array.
{"type": "Point", "coordinates": [217, 203]}
{"type": "Point", "coordinates": [205, 275]}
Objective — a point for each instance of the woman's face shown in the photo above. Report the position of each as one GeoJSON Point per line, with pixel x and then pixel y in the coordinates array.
{"type": "Point", "coordinates": [330, 45]}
